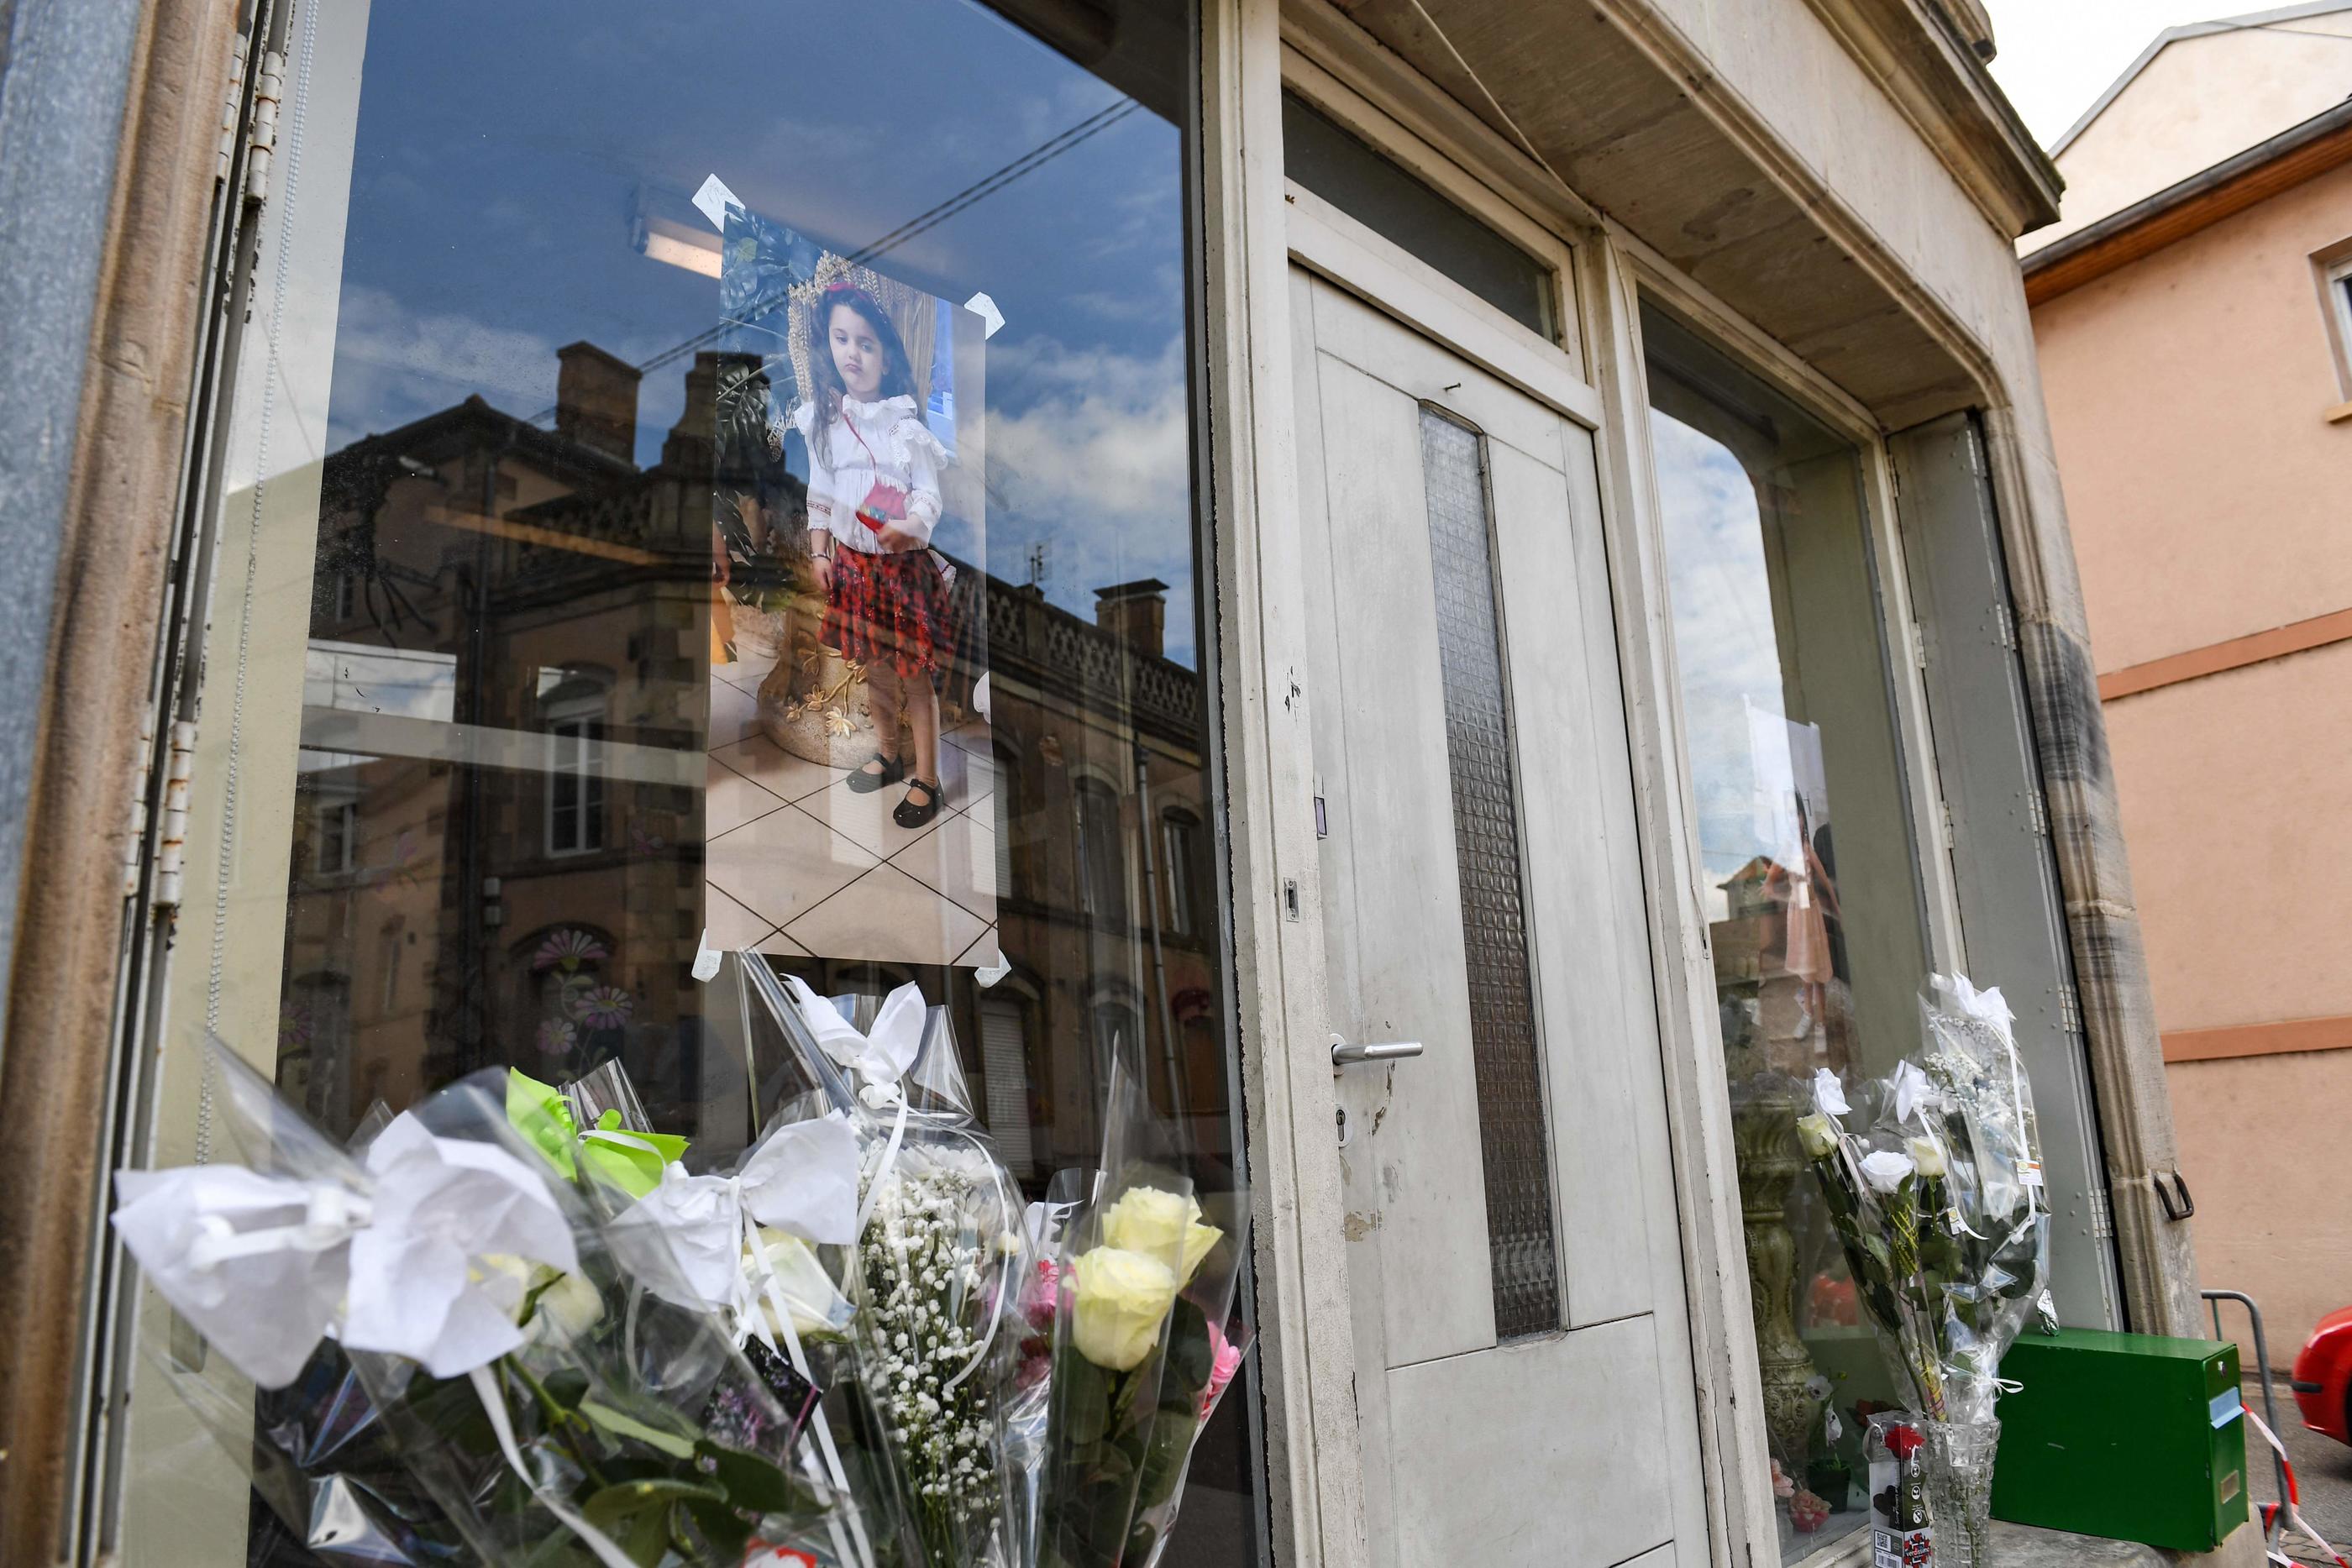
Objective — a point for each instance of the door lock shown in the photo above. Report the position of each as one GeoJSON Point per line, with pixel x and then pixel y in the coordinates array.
{"type": "Point", "coordinates": [1346, 1055]}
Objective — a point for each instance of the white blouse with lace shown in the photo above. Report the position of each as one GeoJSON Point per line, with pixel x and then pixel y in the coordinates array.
{"type": "Point", "coordinates": [886, 442]}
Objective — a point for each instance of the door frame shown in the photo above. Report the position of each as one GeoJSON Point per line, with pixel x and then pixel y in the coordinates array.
{"type": "Point", "coordinates": [1256, 226]}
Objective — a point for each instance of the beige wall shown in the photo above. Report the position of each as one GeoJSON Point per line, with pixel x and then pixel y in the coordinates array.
{"type": "Point", "coordinates": [2199, 101]}
{"type": "Point", "coordinates": [2273, 1188]}
{"type": "Point", "coordinates": [2209, 498]}
{"type": "Point", "coordinates": [2186, 392]}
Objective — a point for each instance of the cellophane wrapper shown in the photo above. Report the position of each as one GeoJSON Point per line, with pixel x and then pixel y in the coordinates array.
{"type": "Point", "coordinates": [619, 1404]}
{"type": "Point", "coordinates": [935, 1276]}
{"type": "Point", "coordinates": [1107, 1398]}
{"type": "Point", "coordinates": [1951, 1263]}
{"type": "Point", "coordinates": [611, 1401]}
{"type": "Point", "coordinates": [1207, 1342]}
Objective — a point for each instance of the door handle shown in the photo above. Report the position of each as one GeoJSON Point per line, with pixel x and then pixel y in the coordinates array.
{"type": "Point", "coordinates": [1346, 1055]}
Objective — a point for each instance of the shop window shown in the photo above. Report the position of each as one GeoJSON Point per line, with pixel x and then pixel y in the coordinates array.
{"type": "Point", "coordinates": [1811, 865]}
{"type": "Point", "coordinates": [551, 318]}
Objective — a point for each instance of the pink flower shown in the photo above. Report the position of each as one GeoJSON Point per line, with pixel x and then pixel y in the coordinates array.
{"type": "Point", "coordinates": [1045, 1295]}
{"type": "Point", "coordinates": [1224, 1360]}
{"type": "Point", "coordinates": [1782, 1486]}
{"type": "Point", "coordinates": [602, 1007]}
{"type": "Point", "coordinates": [567, 949]}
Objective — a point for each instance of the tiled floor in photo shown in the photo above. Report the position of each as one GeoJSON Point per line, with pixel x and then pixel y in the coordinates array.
{"type": "Point", "coordinates": [801, 863]}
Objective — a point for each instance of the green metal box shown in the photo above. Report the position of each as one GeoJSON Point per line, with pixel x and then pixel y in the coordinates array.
{"type": "Point", "coordinates": [2125, 1436]}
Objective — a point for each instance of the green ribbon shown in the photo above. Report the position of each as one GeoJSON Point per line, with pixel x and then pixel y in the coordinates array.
{"type": "Point", "coordinates": [630, 1159]}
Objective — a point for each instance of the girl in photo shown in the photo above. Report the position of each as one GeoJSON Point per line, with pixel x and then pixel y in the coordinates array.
{"type": "Point", "coordinates": [873, 501]}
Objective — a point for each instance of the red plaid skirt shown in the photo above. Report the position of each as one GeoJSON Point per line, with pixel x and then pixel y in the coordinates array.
{"type": "Point", "coordinates": [891, 607]}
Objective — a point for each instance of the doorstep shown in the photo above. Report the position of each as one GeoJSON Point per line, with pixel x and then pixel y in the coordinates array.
{"type": "Point", "coordinates": [2027, 1546]}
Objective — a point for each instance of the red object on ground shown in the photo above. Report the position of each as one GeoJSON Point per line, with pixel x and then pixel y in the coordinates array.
{"type": "Point", "coordinates": [1807, 1512]}
{"type": "Point", "coordinates": [2323, 1376]}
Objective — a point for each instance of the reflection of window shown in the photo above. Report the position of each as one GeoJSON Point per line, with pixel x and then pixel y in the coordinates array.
{"type": "Point", "coordinates": [1010, 823]}
{"type": "Point", "coordinates": [1180, 847]}
{"type": "Point", "coordinates": [1005, 1068]}
{"type": "Point", "coordinates": [1118, 1036]}
{"type": "Point", "coordinates": [339, 835]}
{"type": "Point", "coordinates": [1812, 872]}
{"type": "Point", "coordinates": [388, 949]}
{"type": "Point", "coordinates": [575, 783]}
{"type": "Point", "coordinates": [1102, 864]}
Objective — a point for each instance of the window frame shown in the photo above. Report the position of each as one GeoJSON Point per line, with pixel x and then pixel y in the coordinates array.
{"type": "Point", "coordinates": [580, 721]}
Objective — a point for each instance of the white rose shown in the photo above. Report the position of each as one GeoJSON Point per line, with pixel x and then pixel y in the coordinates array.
{"type": "Point", "coordinates": [568, 1308]}
{"type": "Point", "coordinates": [1927, 1156]}
{"type": "Point", "coordinates": [1885, 1170]}
{"type": "Point", "coordinates": [1818, 1135]}
{"type": "Point", "coordinates": [1160, 1224]}
{"type": "Point", "coordinates": [1122, 1298]}
{"type": "Point", "coordinates": [818, 1310]}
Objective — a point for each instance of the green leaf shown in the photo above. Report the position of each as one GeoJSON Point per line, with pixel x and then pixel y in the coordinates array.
{"type": "Point", "coordinates": [753, 1482]}
{"type": "Point", "coordinates": [625, 1426]}
{"type": "Point", "coordinates": [1190, 1357]}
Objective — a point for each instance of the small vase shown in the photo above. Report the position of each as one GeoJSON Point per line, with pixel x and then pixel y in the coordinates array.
{"type": "Point", "coordinates": [1959, 1457]}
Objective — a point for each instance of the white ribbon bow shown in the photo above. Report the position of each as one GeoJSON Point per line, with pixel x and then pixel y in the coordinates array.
{"type": "Point", "coordinates": [1912, 1091]}
{"type": "Point", "coordinates": [801, 1179]}
{"type": "Point", "coordinates": [1987, 1007]}
{"type": "Point", "coordinates": [263, 1266]}
{"type": "Point", "coordinates": [880, 1056]}
{"type": "Point", "coordinates": [1829, 1094]}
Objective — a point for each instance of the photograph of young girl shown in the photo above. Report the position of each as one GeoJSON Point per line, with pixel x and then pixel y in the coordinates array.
{"type": "Point", "coordinates": [863, 721]}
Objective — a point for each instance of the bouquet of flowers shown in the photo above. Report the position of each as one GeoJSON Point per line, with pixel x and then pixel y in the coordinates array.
{"type": "Point", "coordinates": [938, 1253]}
{"type": "Point", "coordinates": [1136, 1294]}
{"type": "Point", "coordinates": [516, 1325]}
{"type": "Point", "coordinates": [530, 1390]}
{"type": "Point", "coordinates": [1935, 1192]}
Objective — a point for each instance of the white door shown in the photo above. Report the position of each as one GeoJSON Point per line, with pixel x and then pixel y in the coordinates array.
{"type": "Point", "coordinates": [1524, 1378]}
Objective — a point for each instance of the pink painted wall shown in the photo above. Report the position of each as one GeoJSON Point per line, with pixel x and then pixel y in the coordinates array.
{"type": "Point", "coordinates": [2209, 497]}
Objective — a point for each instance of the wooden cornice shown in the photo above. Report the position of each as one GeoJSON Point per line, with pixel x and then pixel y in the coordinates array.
{"type": "Point", "coordinates": [2204, 199]}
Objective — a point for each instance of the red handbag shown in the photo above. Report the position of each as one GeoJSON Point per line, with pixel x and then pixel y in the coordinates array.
{"type": "Point", "coordinates": [884, 503]}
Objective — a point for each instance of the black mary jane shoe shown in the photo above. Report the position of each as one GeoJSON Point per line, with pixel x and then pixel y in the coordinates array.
{"type": "Point", "coordinates": [908, 814]}
{"type": "Point", "coordinates": [861, 782]}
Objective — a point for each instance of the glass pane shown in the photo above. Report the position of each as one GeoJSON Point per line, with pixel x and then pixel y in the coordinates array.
{"type": "Point", "coordinates": [672, 411]}
{"type": "Point", "coordinates": [1398, 207]}
{"type": "Point", "coordinates": [1805, 832]}
{"type": "Point", "coordinates": [1514, 1144]}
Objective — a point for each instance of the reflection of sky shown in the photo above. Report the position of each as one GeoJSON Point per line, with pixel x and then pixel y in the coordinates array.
{"type": "Point", "coordinates": [366, 677]}
{"type": "Point", "coordinates": [501, 150]}
{"type": "Point", "coordinates": [1724, 644]}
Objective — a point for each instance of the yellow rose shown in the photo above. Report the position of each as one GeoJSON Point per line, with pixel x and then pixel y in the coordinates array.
{"type": "Point", "coordinates": [1121, 1297]}
{"type": "Point", "coordinates": [1164, 1225]}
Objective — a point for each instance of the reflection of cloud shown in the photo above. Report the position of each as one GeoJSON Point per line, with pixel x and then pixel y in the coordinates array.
{"type": "Point", "coordinates": [394, 364]}
{"type": "Point", "coordinates": [1098, 463]}
{"type": "Point", "coordinates": [1725, 650]}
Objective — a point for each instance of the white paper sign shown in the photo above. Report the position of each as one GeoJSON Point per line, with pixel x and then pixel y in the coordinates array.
{"type": "Point", "coordinates": [982, 305]}
{"type": "Point", "coordinates": [714, 199]}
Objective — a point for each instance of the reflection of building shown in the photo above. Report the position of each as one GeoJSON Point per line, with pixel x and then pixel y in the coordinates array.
{"type": "Point", "coordinates": [2207, 251]}
{"type": "Point", "coordinates": [498, 859]}
{"type": "Point", "coordinates": [530, 780]}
